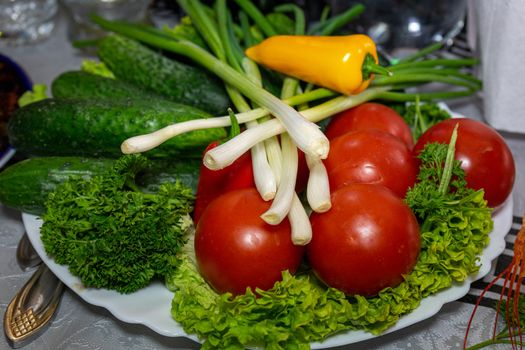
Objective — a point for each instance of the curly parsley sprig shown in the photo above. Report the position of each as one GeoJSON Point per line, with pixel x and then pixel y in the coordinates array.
{"type": "Point", "coordinates": [110, 234]}
{"type": "Point", "coordinates": [441, 188]}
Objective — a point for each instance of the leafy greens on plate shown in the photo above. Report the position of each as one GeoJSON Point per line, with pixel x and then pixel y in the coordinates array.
{"type": "Point", "coordinates": [110, 234]}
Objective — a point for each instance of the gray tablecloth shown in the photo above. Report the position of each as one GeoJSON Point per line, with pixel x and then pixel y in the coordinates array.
{"type": "Point", "coordinates": [79, 325]}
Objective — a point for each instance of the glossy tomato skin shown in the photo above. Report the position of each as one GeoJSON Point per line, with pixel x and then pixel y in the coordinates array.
{"type": "Point", "coordinates": [371, 156]}
{"type": "Point", "coordinates": [302, 172]}
{"type": "Point", "coordinates": [212, 183]}
{"type": "Point", "coordinates": [236, 249]}
{"type": "Point", "coordinates": [366, 242]}
{"type": "Point", "coordinates": [370, 115]}
{"type": "Point", "coordinates": [484, 155]}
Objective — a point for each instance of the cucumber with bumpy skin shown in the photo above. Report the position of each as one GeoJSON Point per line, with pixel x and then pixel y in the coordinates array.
{"type": "Point", "coordinates": [80, 85]}
{"type": "Point", "coordinates": [134, 62]}
{"type": "Point", "coordinates": [97, 128]}
{"type": "Point", "coordinates": [25, 185]}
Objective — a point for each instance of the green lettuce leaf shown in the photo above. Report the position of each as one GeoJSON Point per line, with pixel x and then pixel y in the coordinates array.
{"type": "Point", "coordinates": [97, 68]}
{"type": "Point", "coordinates": [38, 93]}
{"type": "Point", "coordinates": [185, 30]}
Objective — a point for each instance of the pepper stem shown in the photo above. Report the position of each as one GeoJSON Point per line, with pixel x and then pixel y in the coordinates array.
{"type": "Point", "coordinates": [370, 67]}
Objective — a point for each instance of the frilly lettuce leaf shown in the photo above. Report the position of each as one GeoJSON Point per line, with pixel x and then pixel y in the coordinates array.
{"type": "Point", "coordinates": [185, 30]}
{"type": "Point", "coordinates": [38, 93]}
{"type": "Point", "coordinates": [97, 68]}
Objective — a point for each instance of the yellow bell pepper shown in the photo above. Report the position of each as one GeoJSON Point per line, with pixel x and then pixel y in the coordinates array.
{"type": "Point", "coordinates": [341, 63]}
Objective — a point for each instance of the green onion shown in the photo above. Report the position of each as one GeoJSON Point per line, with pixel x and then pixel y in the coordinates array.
{"type": "Point", "coordinates": [283, 198]}
{"type": "Point", "coordinates": [299, 222]}
{"type": "Point", "coordinates": [318, 186]}
{"type": "Point", "coordinates": [308, 137]}
{"type": "Point", "coordinates": [146, 142]}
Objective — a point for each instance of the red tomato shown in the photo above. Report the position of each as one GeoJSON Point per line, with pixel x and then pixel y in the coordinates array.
{"type": "Point", "coordinates": [366, 242]}
{"type": "Point", "coordinates": [213, 183]}
{"type": "Point", "coordinates": [236, 249]}
{"type": "Point", "coordinates": [370, 115]}
{"type": "Point", "coordinates": [371, 156]}
{"type": "Point", "coordinates": [484, 155]}
{"type": "Point", "coordinates": [302, 172]}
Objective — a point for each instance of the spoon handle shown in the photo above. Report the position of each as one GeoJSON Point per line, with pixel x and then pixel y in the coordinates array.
{"type": "Point", "coordinates": [26, 255]}
{"type": "Point", "coordinates": [33, 307]}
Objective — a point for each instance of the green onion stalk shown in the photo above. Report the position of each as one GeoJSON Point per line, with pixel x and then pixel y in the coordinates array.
{"type": "Point", "coordinates": [218, 35]}
{"type": "Point", "coordinates": [415, 71]}
{"type": "Point", "coordinates": [221, 39]}
{"type": "Point", "coordinates": [306, 135]}
{"type": "Point", "coordinates": [286, 203]}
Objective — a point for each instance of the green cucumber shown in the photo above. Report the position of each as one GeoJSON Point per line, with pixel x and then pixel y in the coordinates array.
{"type": "Point", "coordinates": [26, 184]}
{"type": "Point", "coordinates": [169, 171]}
{"type": "Point", "coordinates": [80, 84]}
{"type": "Point", "coordinates": [131, 61]}
{"type": "Point", "coordinates": [97, 128]}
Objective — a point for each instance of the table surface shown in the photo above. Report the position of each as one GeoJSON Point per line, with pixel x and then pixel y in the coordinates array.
{"type": "Point", "coordinates": [79, 325]}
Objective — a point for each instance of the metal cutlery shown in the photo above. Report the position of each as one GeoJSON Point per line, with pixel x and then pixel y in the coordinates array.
{"type": "Point", "coordinates": [26, 255]}
{"type": "Point", "coordinates": [30, 311]}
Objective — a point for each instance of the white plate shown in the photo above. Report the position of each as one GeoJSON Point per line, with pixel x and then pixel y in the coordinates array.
{"type": "Point", "coordinates": [151, 306]}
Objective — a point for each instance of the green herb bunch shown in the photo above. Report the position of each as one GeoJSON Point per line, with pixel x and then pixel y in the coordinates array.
{"type": "Point", "coordinates": [436, 191]}
{"type": "Point", "coordinates": [110, 234]}
{"type": "Point", "coordinates": [421, 116]}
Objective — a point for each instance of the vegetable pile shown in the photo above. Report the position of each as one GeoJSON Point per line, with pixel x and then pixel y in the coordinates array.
{"type": "Point", "coordinates": [454, 231]}
{"type": "Point", "coordinates": [338, 201]}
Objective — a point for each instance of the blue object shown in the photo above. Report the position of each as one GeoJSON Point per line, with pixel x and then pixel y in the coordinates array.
{"type": "Point", "coordinates": [8, 153]}
{"type": "Point", "coordinates": [26, 81]}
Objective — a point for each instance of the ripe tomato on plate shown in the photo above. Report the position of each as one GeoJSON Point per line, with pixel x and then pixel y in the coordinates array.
{"type": "Point", "coordinates": [484, 155]}
{"type": "Point", "coordinates": [371, 156]}
{"type": "Point", "coordinates": [366, 242]}
{"type": "Point", "coordinates": [236, 249]}
{"type": "Point", "coordinates": [370, 115]}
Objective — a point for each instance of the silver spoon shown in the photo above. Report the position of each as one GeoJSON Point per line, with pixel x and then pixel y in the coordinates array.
{"type": "Point", "coordinates": [26, 255]}
{"type": "Point", "coordinates": [33, 307]}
